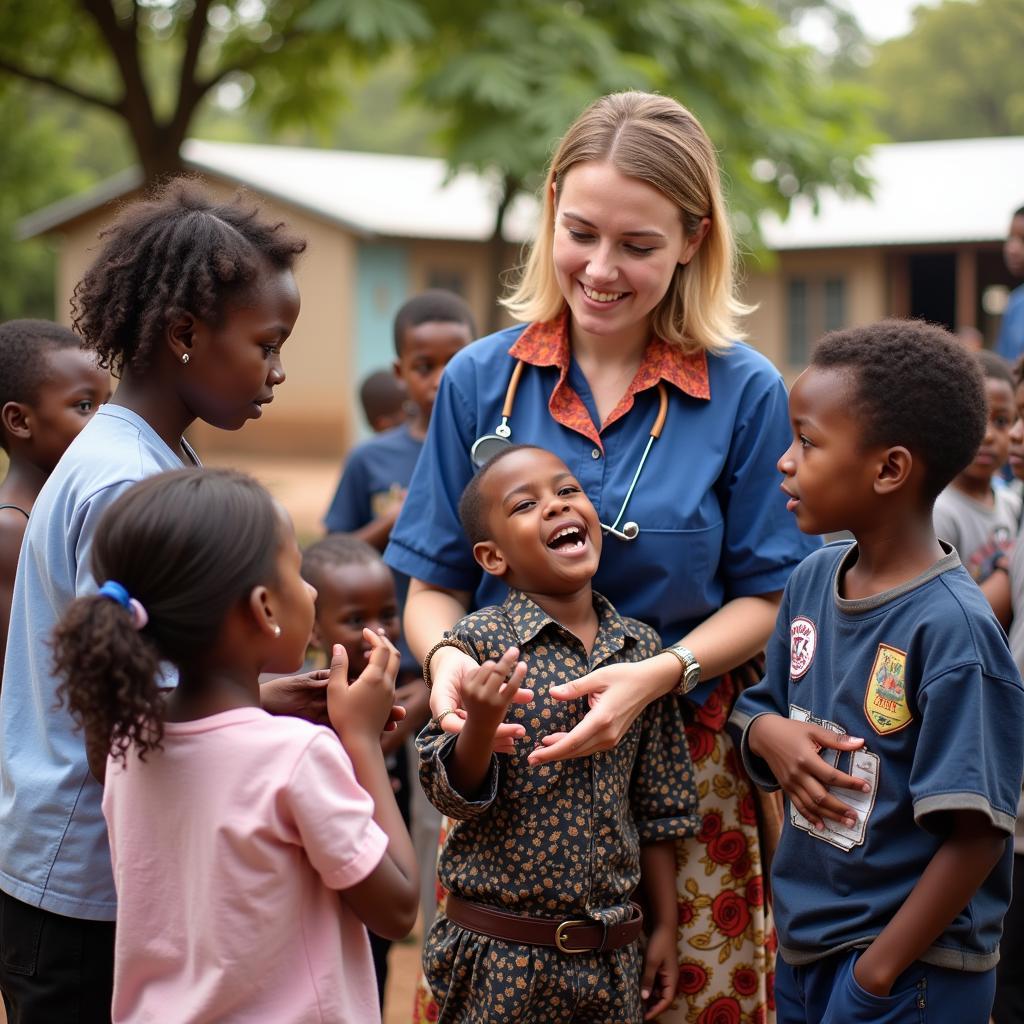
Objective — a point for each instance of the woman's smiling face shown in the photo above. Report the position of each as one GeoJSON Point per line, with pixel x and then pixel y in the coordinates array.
{"type": "Point", "coordinates": [617, 242]}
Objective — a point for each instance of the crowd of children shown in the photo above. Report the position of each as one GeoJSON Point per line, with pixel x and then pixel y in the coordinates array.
{"type": "Point", "coordinates": [252, 841]}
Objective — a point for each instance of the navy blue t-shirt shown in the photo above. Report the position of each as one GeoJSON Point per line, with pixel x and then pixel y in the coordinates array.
{"type": "Point", "coordinates": [923, 673]}
{"type": "Point", "coordinates": [373, 471]}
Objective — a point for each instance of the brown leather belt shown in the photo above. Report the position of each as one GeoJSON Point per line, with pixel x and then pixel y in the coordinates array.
{"type": "Point", "coordinates": [569, 936]}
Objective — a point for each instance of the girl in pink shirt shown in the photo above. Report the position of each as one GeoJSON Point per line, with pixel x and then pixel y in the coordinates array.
{"type": "Point", "coordinates": [249, 851]}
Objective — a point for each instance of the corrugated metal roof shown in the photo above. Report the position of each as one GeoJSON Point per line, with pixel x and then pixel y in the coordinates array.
{"type": "Point", "coordinates": [957, 190]}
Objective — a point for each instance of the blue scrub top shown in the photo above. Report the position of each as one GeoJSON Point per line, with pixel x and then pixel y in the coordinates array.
{"type": "Point", "coordinates": [713, 522]}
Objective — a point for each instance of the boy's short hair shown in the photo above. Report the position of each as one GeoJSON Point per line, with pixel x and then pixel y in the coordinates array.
{"type": "Point", "coordinates": [472, 509]}
{"type": "Point", "coordinates": [380, 394]}
{"type": "Point", "coordinates": [24, 347]}
{"type": "Point", "coordinates": [433, 306]}
{"type": "Point", "coordinates": [335, 550]}
{"type": "Point", "coordinates": [916, 386]}
{"type": "Point", "coordinates": [994, 366]}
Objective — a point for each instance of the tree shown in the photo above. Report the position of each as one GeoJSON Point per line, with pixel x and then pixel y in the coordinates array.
{"type": "Point", "coordinates": [956, 74]}
{"type": "Point", "coordinates": [152, 63]}
{"type": "Point", "coordinates": [512, 74]}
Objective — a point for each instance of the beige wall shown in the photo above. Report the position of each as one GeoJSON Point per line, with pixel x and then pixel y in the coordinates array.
{"type": "Point", "coordinates": [866, 293]}
{"type": "Point", "coordinates": [312, 413]}
{"type": "Point", "coordinates": [472, 261]}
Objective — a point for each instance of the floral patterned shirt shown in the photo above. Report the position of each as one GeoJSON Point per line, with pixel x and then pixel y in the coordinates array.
{"type": "Point", "coordinates": [562, 839]}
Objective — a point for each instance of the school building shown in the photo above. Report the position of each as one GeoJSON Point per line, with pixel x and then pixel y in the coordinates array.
{"type": "Point", "coordinates": [381, 228]}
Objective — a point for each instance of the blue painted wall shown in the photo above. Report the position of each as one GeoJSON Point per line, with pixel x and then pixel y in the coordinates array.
{"type": "Point", "coordinates": [382, 285]}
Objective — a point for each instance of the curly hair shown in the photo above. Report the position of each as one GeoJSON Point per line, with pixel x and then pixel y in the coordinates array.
{"type": "Point", "coordinates": [177, 252]}
{"type": "Point", "coordinates": [914, 385]}
{"type": "Point", "coordinates": [24, 368]}
{"type": "Point", "coordinates": [189, 545]}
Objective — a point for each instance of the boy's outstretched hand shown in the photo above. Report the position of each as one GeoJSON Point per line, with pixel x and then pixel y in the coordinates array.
{"type": "Point", "coordinates": [487, 694]}
{"type": "Point", "coordinates": [790, 749]}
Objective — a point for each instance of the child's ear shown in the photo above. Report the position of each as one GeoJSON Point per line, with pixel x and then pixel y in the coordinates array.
{"type": "Point", "coordinates": [396, 369]}
{"type": "Point", "coordinates": [490, 557]}
{"type": "Point", "coordinates": [894, 470]}
{"type": "Point", "coordinates": [181, 333]}
{"type": "Point", "coordinates": [16, 420]}
{"type": "Point", "coordinates": [262, 612]}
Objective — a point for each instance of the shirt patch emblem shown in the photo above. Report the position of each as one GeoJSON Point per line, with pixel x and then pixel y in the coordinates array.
{"type": "Point", "coordinates": [885, 702]}
{"type": "Point", "coordinates": [803, 641]}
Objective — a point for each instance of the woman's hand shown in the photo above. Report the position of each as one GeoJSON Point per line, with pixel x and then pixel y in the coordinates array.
{"type": "Point", "coordinates": [790, 749]}
{"type": "Point", "coordinates": [618, 694]}
{"type": "Point", "coordinates": [449, 670]}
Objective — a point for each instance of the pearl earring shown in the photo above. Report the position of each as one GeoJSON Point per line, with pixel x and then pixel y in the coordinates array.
{"type": "Point", "coordinates": [277, 631]}
{"type": "Point", "coordinates": [185, 358]}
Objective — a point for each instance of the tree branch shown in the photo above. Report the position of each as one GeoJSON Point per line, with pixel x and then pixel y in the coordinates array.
{"type": "Point", "coordinates": [187, 84]}
{"type": "Point", "coordinates": [254, 58]}
{"type": "Point", "coordinates": [63, 87]}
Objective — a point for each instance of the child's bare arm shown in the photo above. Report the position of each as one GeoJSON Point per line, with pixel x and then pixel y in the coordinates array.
{"type": "Point", "coordinates": [388, 898]}
{"type": "Point", "coordinates": [486, 696]}
{"type": "Point", "coordinates": [661, 959]}
{"type": "Point", "coordinates": [946, 886]}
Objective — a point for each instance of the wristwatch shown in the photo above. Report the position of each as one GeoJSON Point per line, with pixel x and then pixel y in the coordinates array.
{"type": "Point", "coordinates": [689, 674]}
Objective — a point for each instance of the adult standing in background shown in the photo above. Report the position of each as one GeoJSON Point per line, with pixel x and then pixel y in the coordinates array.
{"type": "Point", "coordinates": [1010, 344]}
{"type": "Point", "coordinates": [630, 334]}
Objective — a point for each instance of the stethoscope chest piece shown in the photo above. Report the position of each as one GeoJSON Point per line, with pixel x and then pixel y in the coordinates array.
{"type": "Point", "coordinates": [486, 447]}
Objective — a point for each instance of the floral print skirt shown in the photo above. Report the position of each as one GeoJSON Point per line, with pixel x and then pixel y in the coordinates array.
{"type": "Point", "coordinates": [726, 939]}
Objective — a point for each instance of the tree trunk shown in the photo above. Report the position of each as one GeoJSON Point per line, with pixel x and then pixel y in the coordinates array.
{"type": "Point", "coordinates": [510, 188]}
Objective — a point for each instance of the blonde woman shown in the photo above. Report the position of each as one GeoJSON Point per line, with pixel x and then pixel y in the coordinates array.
{"type": "Point", "coordinates": [628, 366]}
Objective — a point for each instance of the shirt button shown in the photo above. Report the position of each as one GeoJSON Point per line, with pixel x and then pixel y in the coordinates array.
{"type": "Point", "coordinates": [596, 453]}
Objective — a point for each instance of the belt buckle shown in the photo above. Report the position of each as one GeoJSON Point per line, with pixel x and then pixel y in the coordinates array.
{"type": "Point", "coordinates": [560, 937]}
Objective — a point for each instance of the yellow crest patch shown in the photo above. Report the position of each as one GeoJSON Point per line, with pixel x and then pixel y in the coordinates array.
{"type": "Point", "coordinates": [885, 702]}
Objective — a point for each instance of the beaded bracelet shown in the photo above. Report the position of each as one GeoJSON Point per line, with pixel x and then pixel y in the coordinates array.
{"type": "Point", "coordinates": [448, 639]}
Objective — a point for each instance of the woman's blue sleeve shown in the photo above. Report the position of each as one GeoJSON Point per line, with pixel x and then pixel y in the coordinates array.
{"type": "Point", "coordinates": [762, 543]}
{"type": "Point", "coordinates": [427, 542]}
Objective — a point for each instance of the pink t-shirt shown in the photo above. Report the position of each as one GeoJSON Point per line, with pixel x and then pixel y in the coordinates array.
{"type": "Point", "coordinates": [228, 848]}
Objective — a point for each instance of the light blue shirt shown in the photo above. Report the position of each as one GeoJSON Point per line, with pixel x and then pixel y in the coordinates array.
{"type": "Point", "coordinates": [1010, 344]}
{"type": "Point", "coordinates": [53, 838]}
{"type": "Point", "coordinates": [713, 522]}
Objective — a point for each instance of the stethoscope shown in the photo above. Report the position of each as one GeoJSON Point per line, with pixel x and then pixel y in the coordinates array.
{"type": "Point", "coordinates": [487, 446]}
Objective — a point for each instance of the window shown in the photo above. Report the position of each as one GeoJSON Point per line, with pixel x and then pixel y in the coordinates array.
{"type": "Point", "coordinates": [799, 341]}
{"type": "Point", "coordinates": [449, 280]}
{"type": "Point", "coordinates": [813, 306]}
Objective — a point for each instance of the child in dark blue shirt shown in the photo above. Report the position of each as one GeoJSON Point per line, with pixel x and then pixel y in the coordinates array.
{"type": "Point", "coordinates": [429, 329]}
{"type": "Point", "coordinates": [892, 876]}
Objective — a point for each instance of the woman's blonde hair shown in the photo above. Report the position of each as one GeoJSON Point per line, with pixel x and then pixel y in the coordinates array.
{"type": "Point", "coordinates": [653, 139]}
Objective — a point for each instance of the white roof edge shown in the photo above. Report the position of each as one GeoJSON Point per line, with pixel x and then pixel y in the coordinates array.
{"type": "Point", "coordinates": [49, 217]}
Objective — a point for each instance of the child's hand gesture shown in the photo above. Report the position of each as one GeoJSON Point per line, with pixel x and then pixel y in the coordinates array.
{"type": "Point", "coordinates": [790, 749]}
{"type": "Point", "coordinates": [362, 708]}
{"type": "Point", "coordinates": [487, 693]}
{"type": "Point", "coordinates": [661, 972]}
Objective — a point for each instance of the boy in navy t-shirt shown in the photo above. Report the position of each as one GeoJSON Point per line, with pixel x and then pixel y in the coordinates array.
{"type": "Point", "coordinates": [429, 329]}
{"type": "Point", "coordinates": [892, 876]}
